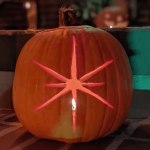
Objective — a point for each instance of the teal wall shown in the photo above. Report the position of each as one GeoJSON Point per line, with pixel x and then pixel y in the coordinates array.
{"type": "Point", "coordinates": [139, 43]}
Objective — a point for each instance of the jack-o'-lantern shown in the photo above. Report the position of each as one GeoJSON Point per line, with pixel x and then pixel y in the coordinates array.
{"type": "Point", "coordinates": [72, 84]}
{"type": "Point", "coordinates": [112, 17]}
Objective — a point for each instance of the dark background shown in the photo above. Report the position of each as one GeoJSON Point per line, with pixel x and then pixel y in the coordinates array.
{"type": "Point", "coordinates": [23, 14]}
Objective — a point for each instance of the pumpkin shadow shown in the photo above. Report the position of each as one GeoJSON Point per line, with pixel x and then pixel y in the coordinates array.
{"type": "Point", "coordinates": [100, 143]}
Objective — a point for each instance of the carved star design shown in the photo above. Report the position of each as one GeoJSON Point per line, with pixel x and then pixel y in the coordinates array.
{"type": "Point", "coordinates": [73, 84]}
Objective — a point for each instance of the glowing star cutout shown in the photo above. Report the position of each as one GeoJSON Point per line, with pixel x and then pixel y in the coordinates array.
{"type": "Point", "coordinates": [73, 84]}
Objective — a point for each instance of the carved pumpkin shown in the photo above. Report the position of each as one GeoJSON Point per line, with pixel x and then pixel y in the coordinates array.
{"type": "Point", "coordinates": [112, 17]}
{"type": "Point", "coordinates": [72, 84]}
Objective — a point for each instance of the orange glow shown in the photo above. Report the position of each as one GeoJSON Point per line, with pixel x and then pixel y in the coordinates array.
{"type": "Point", "coordinates": [73, 104]}
{"type": "Point", "coordinates": [74, 113]}
{"type": "Point", "coordinates": [27, 5]}
{"type": "Point", "coordinates": [74, 84]}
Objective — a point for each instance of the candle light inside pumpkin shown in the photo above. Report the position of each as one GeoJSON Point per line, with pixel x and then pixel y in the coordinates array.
{"type": "Point", "coordinates": [74, 113]}
{"type": "Point", "coordinates": [73, 104]}
{"type": "Point", "coordinates": [27, 5]}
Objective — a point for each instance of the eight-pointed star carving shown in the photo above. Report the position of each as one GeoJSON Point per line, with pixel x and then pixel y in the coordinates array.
{"type": "Point", "coordinates": [73, 84]}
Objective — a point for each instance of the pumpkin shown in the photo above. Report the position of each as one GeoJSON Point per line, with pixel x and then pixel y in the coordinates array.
{"type": "Point", "coordinates": [112, 16]}
{"type": "Point", "coordinates": [72, 84]}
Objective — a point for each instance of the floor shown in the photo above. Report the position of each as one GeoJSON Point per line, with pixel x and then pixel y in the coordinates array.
{"type": "Point", "coordinates": [134, 134]}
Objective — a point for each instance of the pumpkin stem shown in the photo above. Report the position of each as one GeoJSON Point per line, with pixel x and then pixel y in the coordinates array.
{"type": "Point", "coordinates": [67, 17]}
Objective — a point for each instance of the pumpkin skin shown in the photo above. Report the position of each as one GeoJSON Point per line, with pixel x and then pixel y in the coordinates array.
{"type": "Point", "coordinates": [53, 48]}
{"type": "Point", "coordinates": [113, 16]}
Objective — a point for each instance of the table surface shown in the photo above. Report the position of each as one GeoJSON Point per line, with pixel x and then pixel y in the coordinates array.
{"type": "Point", "coordinates": [134, 134]}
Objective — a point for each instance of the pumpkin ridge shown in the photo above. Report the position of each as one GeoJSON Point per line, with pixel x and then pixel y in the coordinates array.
{"type": "Point", "coordinates": [114, 66]}
{"type": "Point", "coordinates": [61, 98]}
{"type": "Point", "coordinates": [79, 40]}
{"type": "Point", "coordinates": [117, 107]}
{"type": "Point", "coordinates": [118, 89]}
{"type": "Point", "coordinates": [45, 78]}
{"type": "Point", "coordinates": [88, 100]}
{"type": "Point", "coordinates": [20, 115]}
{"type": "Point", "coordinates": [85, 96]}
{"type": "Point", "coordinates": [104, 72]}
{"type": "Point", "coordinates": [101, 48]}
